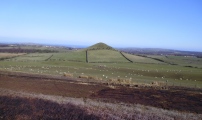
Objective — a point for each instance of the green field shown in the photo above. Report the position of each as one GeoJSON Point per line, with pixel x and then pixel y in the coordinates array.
{"type": "Point", "coordinates": [9, 55]}
{"type": "Point", "coordinates": [32, 57]}
{"type": "Point", "coordinates": [36, 47]}
{"type": "Point", "coordinates": [187, 61]}
{"type": "Point", "coordinates": [77, 56]}
{"type": "Point", "coordinates": [104, 62]}
{"type": "Point", "coordinates": [139, 59]}
{"type": "Point", "coordinates": [105, 56]}
{"type": "Point", "coordinates": [74, 62]}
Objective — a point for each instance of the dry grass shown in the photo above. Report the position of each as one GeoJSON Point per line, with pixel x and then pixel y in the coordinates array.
{"type": "Point", "coordinates": [89, 77]}
{"type": "Point", "coordinates": [120, 81]}
{"type": "Point", "coordinates": [48, 86]}
{"type": "Point", "coordinates": [68, 75]}
{"type": "Point", "coordinates": [158, 83]}
{"type": "Point", "coordinates": [104, 110]}
{"type": "Point", "coordinates": [83, 76]}
{"type": "Point", "coordinates": [39, 109]}
{"type": "Point", "coordinates": [63, 92]}
{"type": "Point", "coordinates": [3, 55]}
{"type": "Point", "coordinates": [154, 84]}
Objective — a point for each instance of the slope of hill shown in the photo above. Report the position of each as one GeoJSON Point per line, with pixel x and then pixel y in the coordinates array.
{"type": "Point", "coordinates": [101, 52]}
{"type": "Point", "coordinates": [105, 56]}
{"type": "Point", "coordinates": [140, 59]}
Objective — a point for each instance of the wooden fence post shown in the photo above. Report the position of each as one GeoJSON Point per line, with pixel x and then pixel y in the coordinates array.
{"type": "Point", "coordinates": [87, 56]}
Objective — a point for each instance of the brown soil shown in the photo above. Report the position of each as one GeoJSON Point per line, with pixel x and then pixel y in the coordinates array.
{"type": "Point", "coordinates": [175, 99]}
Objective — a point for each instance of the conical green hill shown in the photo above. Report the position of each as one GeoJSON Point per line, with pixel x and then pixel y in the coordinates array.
{"type": "Point", "coordinates": [101, 52]}
{"type": "Point", "coordinates": [100, 46]}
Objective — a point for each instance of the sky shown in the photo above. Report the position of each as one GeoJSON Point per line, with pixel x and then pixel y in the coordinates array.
{"type": "Point", "coordinates": [169, 24]}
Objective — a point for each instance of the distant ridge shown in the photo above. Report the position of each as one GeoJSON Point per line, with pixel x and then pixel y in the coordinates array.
{"type": "Point", "coordinates": [100, 46]}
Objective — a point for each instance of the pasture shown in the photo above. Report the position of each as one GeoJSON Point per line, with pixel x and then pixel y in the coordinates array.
{"type": "Point", "coordinates": [140, 59]}
{"type": "Point", "coordinates": [9, 55]}
{"type": "Point", "coordinates": [74, 62]}
{"type": "Point", "coordinates": [105, 56]}
{"type": "Point", "coordinates": [77, 56]}
{"type": "Point", "coordinates": [186, 61]}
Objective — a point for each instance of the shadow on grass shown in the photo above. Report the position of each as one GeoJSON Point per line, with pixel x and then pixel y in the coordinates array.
{"type": "Point", "coordinates": [35, 109]}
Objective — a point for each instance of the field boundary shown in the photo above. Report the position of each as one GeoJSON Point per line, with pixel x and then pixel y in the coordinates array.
{"type": "Point", "coordinates": [126, 57]}
{"type": "Point", "coordinates": [49, 58]}
{"type": "Point", "coordinates": [87, 61]}
{"type": "Point", "coordinates": [2, 59]}
{"type": "Point", "coordinates": [157, 59]}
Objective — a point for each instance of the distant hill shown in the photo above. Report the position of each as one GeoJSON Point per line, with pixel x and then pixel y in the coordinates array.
{"type": "Point", "coordinates": [100, 46]}
{"type": "Point", "coordinates": [32, 48]}
{"type": "Point", "coordinates": [102, 52]}
{"type": "Point", "coordinates": [156, 51]}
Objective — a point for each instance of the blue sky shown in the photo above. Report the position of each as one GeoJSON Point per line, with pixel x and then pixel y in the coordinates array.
{"type": "Point", "coordinates": [171, 24]}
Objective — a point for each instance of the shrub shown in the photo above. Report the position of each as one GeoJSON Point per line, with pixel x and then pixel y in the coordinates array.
{"type": "Point", "coordinates": [83, 76]}
{"type": "Point", "coordinates": [68, 75]}
{"type": "Point", "coordinates": [120, 81]}
{"type": "Point", "coordinates": [158, 83]}
{"type": "Point", "coordinates": [89, 77]}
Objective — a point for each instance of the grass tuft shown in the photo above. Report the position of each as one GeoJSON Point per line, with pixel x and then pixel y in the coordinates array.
{"type": "Point", "coordinates": [68, 75]}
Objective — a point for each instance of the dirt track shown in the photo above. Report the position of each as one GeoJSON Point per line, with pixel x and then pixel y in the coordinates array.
{"type": "Point", "coordinates": [168, 99]}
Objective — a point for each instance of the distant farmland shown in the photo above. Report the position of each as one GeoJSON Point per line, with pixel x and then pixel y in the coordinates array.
{"type": "Point", "coordinates": [186, 72]}
{"type": "Point", "coordinates": [99, 82]}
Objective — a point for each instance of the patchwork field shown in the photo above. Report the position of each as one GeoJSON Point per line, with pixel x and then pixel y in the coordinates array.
{"type": "Point", "coordinates": [75, 64]}
{"type": "Point", "coordinates": [186, 61]}
{"type": "Point", "coordinates": [140, 59]}
{"type": "Point", "coordinates": [32, 57]}
{"type": "Point", "coordinates": [9, 55]}
{"type": "Point", "coordinates": [100, 78]}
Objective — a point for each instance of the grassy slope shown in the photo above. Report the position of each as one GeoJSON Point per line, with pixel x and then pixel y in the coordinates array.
{"type": "Point", "coordinates": [139, 59]}
{"type": "Point", "coordinates": [9, 55]}
{"type": "Point", "coordinates": [105, 56]}
{"type": "Point", "coordinates": [181, 60]}
{"type": "Point", "coordinates": [139, 72]}
{"type": "Point", "coordinates": [100, 46]}
{"type": "Point", "coordinates": [33, 57]}
{"type": "Point", "coordinates": [78, 56]}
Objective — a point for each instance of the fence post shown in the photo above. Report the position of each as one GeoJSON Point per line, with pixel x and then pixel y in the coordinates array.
{"type": "Point", "coordinates": [87, 56]}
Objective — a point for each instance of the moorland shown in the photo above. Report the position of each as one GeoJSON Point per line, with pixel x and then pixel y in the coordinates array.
{"type": "Point", "coordinates": [99, 82]}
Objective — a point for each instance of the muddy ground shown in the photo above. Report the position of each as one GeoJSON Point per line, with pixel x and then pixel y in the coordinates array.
{"type": "Point", "coordinates": [188, 100]}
